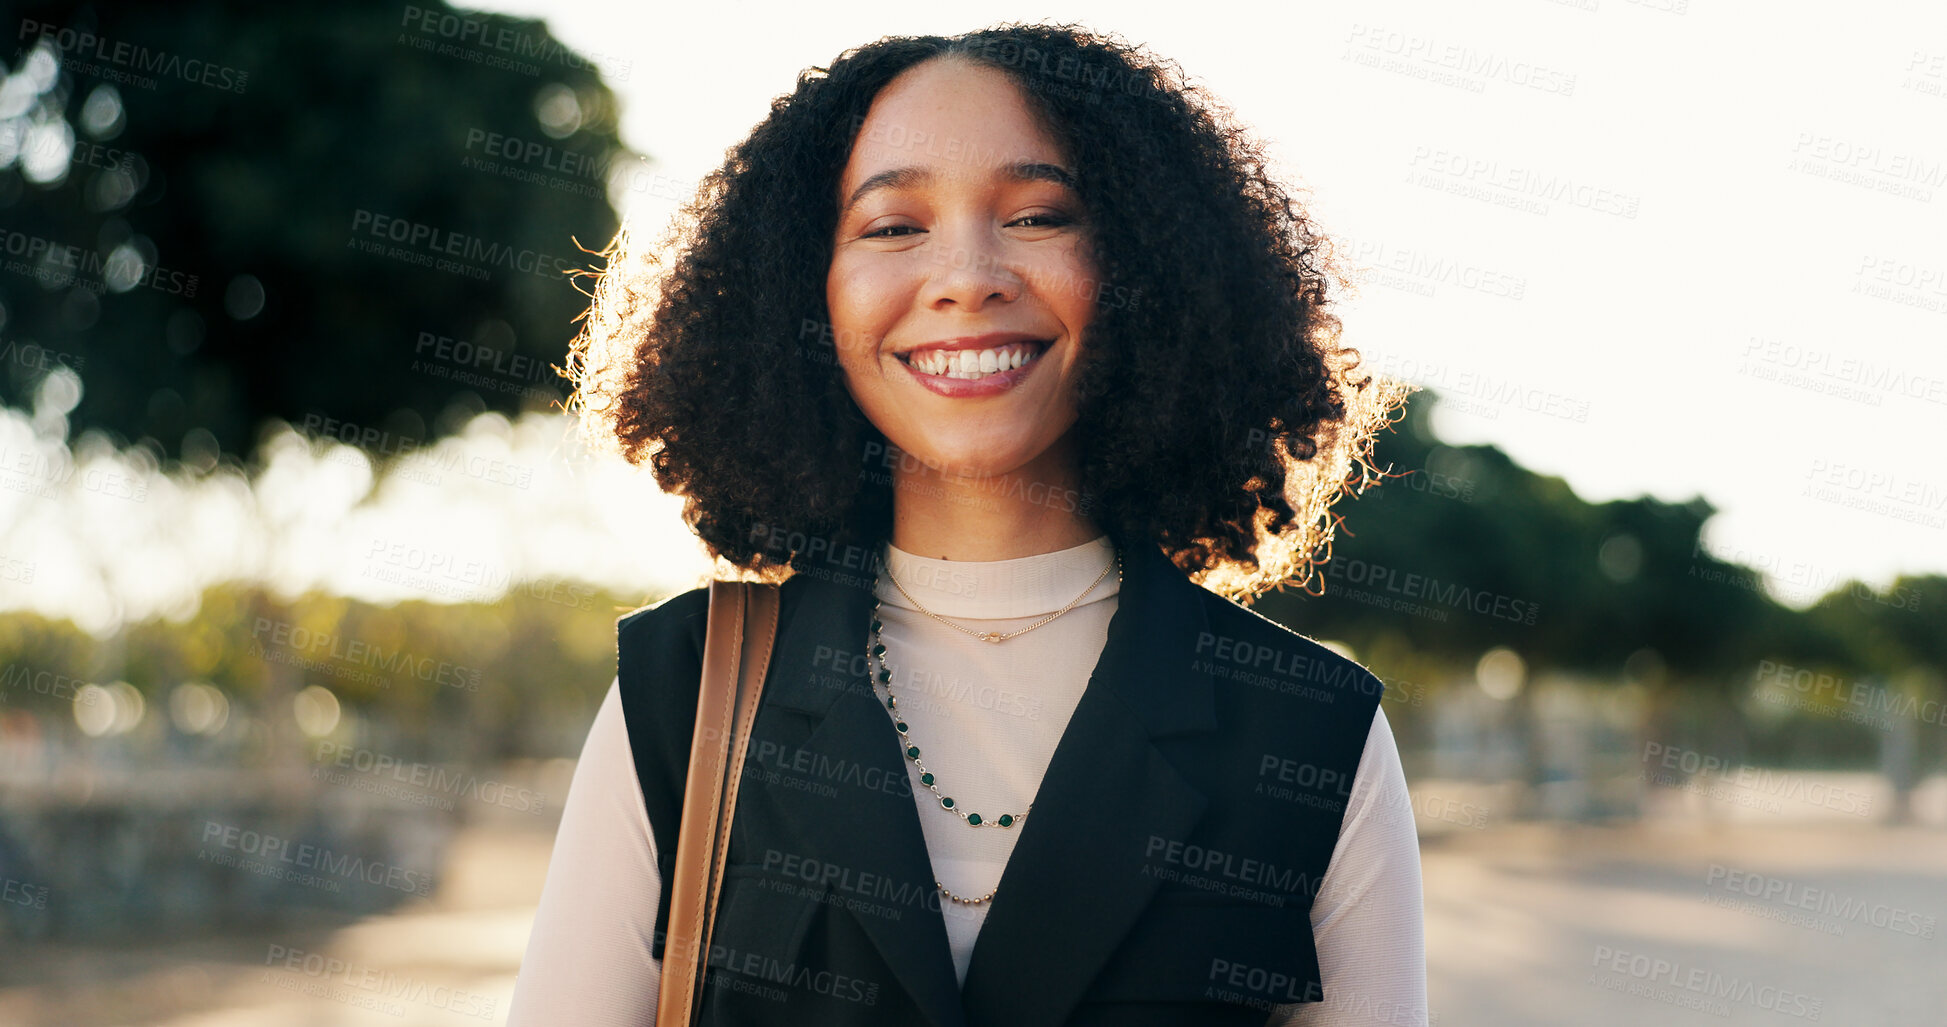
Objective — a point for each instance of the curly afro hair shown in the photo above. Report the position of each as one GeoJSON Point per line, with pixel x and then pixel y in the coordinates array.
{"type": "Point", "coordinates": [686, 353]}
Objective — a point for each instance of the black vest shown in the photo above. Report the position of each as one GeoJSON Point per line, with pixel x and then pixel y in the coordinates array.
{"type": "Point", "coordinates": [1165, 876]}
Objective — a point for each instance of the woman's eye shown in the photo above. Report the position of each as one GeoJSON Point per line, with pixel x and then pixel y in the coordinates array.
{"type": "Point", "coordinates": [1047, 220]}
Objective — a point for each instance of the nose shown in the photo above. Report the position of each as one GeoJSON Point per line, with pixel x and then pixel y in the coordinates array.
{"type": "Point", "coordinates": [969, 269]}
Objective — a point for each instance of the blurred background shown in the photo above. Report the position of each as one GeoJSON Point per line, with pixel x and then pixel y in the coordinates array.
{"type": "Point", "coordinates": [302, 567]}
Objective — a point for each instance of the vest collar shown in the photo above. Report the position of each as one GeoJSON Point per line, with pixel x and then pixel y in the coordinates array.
{"type": "Point", "coordinates": [1074, 883]}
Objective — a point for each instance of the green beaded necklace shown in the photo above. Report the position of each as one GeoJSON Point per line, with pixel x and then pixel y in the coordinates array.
{"type": "Point", "coordinates": [883, 676]}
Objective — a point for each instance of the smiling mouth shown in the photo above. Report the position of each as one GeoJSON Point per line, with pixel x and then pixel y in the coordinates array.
{"type": "Point", "coordinates": [975, 364]}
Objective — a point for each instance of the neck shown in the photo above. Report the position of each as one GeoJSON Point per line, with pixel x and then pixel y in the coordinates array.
{"type": "Point", "coordinates": [1028, 511]}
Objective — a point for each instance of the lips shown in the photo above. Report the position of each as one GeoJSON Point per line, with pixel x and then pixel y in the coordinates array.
{"type": "Point", "coordinates": [965, 368]}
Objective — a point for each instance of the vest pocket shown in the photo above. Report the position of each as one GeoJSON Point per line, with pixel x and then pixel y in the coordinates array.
{"type": "Point", "coordinates": [1191, 947]}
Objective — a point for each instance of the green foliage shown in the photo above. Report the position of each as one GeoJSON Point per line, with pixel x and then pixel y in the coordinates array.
{"type": "Point", "coordinates": [470, 683]}
{"type": "Point", "coordinates": [309, 121]}
{"type": "Point", "coordinates": [1451, 557]}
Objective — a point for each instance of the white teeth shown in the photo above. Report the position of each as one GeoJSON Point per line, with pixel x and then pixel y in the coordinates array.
{"type": "Point", "coordinates": [972, 364]}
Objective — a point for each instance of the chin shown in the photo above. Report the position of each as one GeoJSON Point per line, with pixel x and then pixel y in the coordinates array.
{"type": "Point", "coordinates": [978, 460]}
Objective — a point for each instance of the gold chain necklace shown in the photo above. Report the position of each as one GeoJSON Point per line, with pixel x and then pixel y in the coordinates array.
{"type": "Point", "coordinates": [884, 677]}
{"type": "Point", "coordinates": [995, 636]}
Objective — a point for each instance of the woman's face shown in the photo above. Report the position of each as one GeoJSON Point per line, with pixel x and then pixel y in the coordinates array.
{"type": "Point", "coordinates": [959, 241]}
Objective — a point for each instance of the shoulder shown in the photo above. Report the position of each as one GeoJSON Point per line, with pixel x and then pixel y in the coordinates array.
{"type": "Point", "coordinates": [1244, 645]}
{"type": "Point", "coordinates": [673, 612]}
{"type": "Point", "coordinates": [659, 643]}
{"type": "Point", "coordinates": [664, 641]}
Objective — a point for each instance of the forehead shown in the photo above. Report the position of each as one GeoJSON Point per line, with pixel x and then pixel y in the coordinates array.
{"type": "Point", "coordinates": [953, 116]}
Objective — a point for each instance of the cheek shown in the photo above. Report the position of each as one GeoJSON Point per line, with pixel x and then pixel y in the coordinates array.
{"type": "Point", "coordinates": [863, 302]}
{"type": "Point", "coordinates": [856, 328]}
{"type": "Point", "coordinates": [857, 320]}
{"type": "Point", "coordinates": [1066, 283]}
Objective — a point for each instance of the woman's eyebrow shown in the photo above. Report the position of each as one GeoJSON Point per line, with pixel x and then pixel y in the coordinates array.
{"type": "Point", "coordinates": [915, 175]}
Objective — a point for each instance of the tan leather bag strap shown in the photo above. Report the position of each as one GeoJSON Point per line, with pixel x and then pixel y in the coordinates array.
{"type": "Point", "coordinates": [742, 629]}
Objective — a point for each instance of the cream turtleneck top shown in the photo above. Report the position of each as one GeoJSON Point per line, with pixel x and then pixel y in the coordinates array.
{"type": "Point", "coordinates": [988, 718]}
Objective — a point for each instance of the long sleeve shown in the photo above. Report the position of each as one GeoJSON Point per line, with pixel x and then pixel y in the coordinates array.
{"type": "Point", "coordinates": [589, 957]}
{"type": "Point", "coordinates": [1367, 918]}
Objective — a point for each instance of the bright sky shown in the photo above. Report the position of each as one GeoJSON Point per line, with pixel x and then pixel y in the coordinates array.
{"type": "Point", "coordinates": [1673, 247]}
{"type": "Point", "coordinates": [1651, 251]}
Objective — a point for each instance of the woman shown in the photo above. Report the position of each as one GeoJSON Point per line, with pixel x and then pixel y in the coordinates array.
{"type": "Point", "coordinates": [991, 342]}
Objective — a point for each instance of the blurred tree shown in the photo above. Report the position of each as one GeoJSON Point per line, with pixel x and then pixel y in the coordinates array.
{"type": "Point", "coordinates": [1466, 550]}
{"type": "Point", "coordinates": [346, 215]}
{"type": "Point", "coordinates": [1857, 626]}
